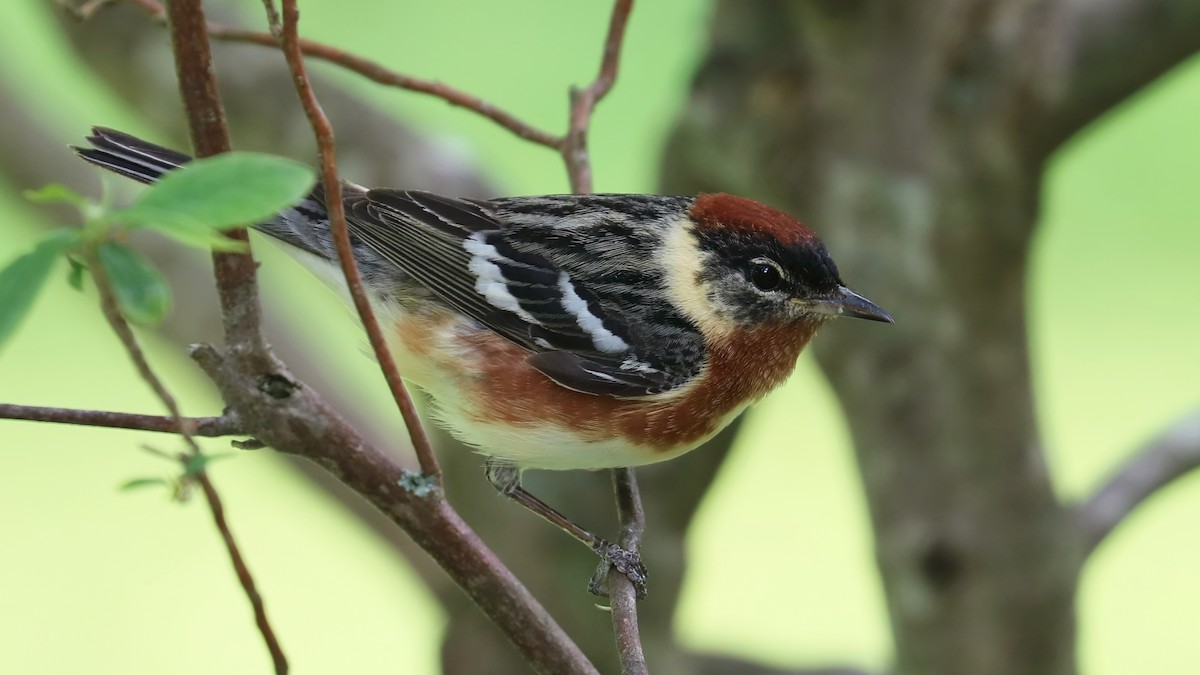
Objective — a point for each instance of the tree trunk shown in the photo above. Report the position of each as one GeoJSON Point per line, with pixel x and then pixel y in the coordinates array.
{"type": "Point", "coordinates": [912, 137]}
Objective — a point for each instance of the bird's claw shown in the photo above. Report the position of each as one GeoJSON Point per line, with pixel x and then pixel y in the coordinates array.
{"type": "Point", "coordinates": [625, 562]}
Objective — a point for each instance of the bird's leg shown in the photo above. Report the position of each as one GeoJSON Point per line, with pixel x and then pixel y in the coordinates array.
{"type": "Point", "coordinates": [507, 480]}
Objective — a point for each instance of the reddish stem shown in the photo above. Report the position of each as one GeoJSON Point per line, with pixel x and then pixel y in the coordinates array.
{"type": "Point", "coordinates": [341, 239]}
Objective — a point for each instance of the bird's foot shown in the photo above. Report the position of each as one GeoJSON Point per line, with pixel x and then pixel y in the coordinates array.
{"type": "Point", "coordinates": [628, 563]}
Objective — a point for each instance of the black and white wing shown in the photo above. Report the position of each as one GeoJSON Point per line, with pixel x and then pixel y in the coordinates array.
{"type": "Point", "coordinates": [459, 250]}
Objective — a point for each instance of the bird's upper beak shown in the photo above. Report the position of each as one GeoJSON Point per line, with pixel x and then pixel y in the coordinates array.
{"type": "Point", "coordinates": [845, 302]}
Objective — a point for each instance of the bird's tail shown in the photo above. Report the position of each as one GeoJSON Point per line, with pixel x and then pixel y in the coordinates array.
{"type": "Point", "coordinates": [304, 225]}
{"type": "Point", "coordinates": [130, 156]}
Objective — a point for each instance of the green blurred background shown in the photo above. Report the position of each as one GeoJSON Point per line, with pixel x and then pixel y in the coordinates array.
{"type": "Point", "coordinates": [100, 581]}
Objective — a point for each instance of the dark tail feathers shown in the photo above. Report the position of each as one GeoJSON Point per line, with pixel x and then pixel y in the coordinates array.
{"type": "Point", "coordinates": [130, 156]}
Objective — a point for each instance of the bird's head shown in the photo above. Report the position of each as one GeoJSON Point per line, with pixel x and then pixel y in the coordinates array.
{"type": "Point", "coordinates": [760, 266]}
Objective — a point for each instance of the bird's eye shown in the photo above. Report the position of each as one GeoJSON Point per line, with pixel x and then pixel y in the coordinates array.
{"type": "Point", "coordinates": [765, 275]}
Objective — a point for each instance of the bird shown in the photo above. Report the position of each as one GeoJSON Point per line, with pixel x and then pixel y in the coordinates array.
{"type": "Point", "coordinates": [574, 331]}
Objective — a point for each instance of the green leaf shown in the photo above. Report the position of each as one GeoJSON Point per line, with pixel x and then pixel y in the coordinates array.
{"type": "Point", "coordinates": [75, 276]}
{"type": "Point", "coordinates": [236, 188]}
{"type": "Point", "coordinates": [195, 464]}
{"type": "Point", "coordinates": [138, 483]}
{"type": "Point", "coordinates": [21, 280]}
{"type": "Point", "coordinates": [56, 193]}
{"type": "Point", "coordinates": [142, 293]}
{"type": "Point", "coordinates": [180, 227]}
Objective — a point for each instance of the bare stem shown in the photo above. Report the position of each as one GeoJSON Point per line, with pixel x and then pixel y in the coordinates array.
{"type": "Point", "coordinates": [377, 73]}
{"type": "Point", "coordinates": [225, 425]}
{"type": "Point", "coordinates": [1174, 453]}
{"type": "Point", "coordinates": [108, 304]}
{"type": "Point", "coordinates": [323, 131]}
{"type": "Point", "coordinates": [621, 592]}
{"type": "Point", "coordinates": [236, 272]}
{"type": "Point", "coordinates": [574, 147]}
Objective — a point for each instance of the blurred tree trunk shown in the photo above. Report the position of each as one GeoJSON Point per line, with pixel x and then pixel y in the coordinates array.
{"type": "Point", "coordinates": [913, 137]}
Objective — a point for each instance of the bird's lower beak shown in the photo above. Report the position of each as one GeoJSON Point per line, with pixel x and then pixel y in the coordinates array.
{"type": "Point", "coordinates": [845, 302]}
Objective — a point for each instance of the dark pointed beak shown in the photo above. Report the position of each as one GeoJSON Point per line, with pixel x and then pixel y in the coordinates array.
{"type": "Point", "coordinates": [845, 302]}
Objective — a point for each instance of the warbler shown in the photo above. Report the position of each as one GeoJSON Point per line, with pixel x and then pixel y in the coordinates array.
{"type": "Point", "coordinates": [570, 331]}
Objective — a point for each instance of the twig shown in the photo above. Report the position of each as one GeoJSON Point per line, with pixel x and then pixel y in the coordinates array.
{"type": "Point", "coordinates": [341, 239]}
{"type": "Point", "coordinates": [273, 22]}
{"type": "Point", "coordinates": [225, 425]}
{"type": "Point", "coordinates": [572, 145]}
{"type": "Point", "coordinates": [583, 101]}
{"type": "Point", "coordinates": [380, 75]}
{"type": "Point", "coordinates": [236, 272]}
{"type": "Point", "coordinates": [622, 594]}
{"type": "Point", "coordinates": [108, 304]}
{"type": "Point", "coordinates": [1174, 453]}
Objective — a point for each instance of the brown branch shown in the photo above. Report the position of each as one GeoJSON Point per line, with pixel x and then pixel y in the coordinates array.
{"type": "Point", "coordinates": [210, 427]}
{"type": "Point", "coordinates": [243, 572]}
{"type": "Point", "coordinates": [323, 131]}
{"type": "Point", "coordinates": [108, 304]}
{"type": "Point", "coordinates": [621, 592]}
{"type": "Point", "coordinates": [295, 420]}
{"type": "Point", "coordinates": [583, 101]}
{"type": "Point", "coordinates": [380, 75]}
{"type": "Point", "coordinates": [437, 527]}
{"type": "Point", "coordinates": [236, 272]}
{"type": "Point", "coordinates": [1104, 51]}
{"type": "Point", "coordinates": [1173, 454]}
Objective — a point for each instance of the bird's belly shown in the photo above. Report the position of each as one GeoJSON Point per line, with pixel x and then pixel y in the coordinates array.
{"type": "Point", "coordinates": [488, 396]}
{"type": "Point", "coordinates": [552, 447]}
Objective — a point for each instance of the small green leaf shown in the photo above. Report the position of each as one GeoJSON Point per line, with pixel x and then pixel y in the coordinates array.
{"type": "Point", "coordinates": [195, 464]}
{"type": "Point", "coordinates": [142, 293]}
{"type": "Point", "coordinates": [21, 280]}
{"type": "Point", "coordinates": [138, 483]}
{"type": "Point", "coordinates": [56, 193]}
{"type": "Point", "coordinates": [75, 276]}
{"type": "Point", "coordinates": [180, 227]}
{"type": "Point", "coordinates": [236, 188]}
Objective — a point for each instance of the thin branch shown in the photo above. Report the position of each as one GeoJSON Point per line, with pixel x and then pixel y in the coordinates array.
{"type": "Point", "coordinates": [622, 594]}
{"type": "Point", "coordinates": [209, 427]}
{"type": "Point", "coordinates": [236, 272]}
{"type": "Point", "coordinates": [1173, 454]}
{"type": "Point", "coordinates": [323, 131]}
{"type": "Point", "coordinates": [583, 101]}
{"type": "Point", "coordinates": [380, 75]}
{"type": "Point", "coordinates": [108, 304]}
{"type": "Point", "coordinates": [243, 572]}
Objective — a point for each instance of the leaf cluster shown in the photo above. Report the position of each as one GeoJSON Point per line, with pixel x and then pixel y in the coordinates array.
{"type": "Point", "coordinates": [196, 205]}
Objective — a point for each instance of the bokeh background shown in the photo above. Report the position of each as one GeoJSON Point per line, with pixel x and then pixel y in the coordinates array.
{"type": "Point", "coordinates": [97, 580]}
